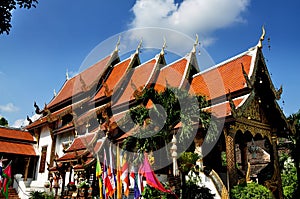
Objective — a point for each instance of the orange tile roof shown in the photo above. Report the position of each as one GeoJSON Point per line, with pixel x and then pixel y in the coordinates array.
{"type": "Point", "coordinates": [114, 77]}
{"type": "Point", "coordinates": [64, 128]}
{"type": "Point", "coordinates": [218, 81]}
{"type": "Point", "coordinates": [71, 155]}
{"type": "Point", "coordinates": [139, 79]}
{"type": "Point", "coordinates": [224, 109]}
{"type": "Point", "coordinates": [173, 75]}
{"type": "Point", "coordinates": [16, 134]}
{"type": "Point", "coordinates": [17, 148]}
{"type": "Point", "coordinates": [86, 163]}
{"type": "Point", "coordinates": [80, 142]}
{"type": "Point", "coordinates": [55, 115]}
{"type": "Point", "coordinates": [37, 122]}
{"type": "Point", "coordinates": [80, 82]}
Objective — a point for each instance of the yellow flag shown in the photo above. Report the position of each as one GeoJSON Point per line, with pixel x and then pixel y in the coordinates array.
{"type": "Point", "coordinates": [98, 175]}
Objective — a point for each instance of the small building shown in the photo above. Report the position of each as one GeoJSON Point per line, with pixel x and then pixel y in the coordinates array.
{"type": "Point", "coordinates": [18, 147]}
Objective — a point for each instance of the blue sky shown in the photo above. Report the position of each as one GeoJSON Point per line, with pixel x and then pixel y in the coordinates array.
{"type": "Point", "coordinates": [58, 35]}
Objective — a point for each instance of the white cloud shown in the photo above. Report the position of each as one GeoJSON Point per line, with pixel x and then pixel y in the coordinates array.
{"type": "Point", "coordinates": [24, 122]}
{"type": "Point", "coordinates": [189, 16]}
{"type": "Point", "coordinates": [8, 108]}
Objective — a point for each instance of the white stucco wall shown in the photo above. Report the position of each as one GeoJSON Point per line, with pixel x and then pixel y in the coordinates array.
{"type": "Point", "coordinates": [45, 140]}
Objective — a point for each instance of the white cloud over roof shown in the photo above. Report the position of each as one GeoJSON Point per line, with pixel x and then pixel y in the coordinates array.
{"type": "Point", "coordinates": [189, 16]}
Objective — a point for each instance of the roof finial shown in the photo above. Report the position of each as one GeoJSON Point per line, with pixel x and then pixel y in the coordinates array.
{"type": "Point", "coordinates": [67, 75]}
{"type": "Point", "coordinates": [196, 44]}
{"type": "Point", "coordinates": [262, 37]}
{"type": "Point", "coordinates": [139, 46]}
{"type": "Point", "coordinates": [118, 44]}
{"type": "Point", "coordinates": [164, 46]}
{"type": "Point", "coordinates": [54, 92]}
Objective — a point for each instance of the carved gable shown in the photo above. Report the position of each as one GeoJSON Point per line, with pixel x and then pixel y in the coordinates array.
{"type": "Point", "coordinates": [254, 111]}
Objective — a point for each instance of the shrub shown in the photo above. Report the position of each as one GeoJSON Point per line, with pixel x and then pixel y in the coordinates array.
{"type": "Point", "coordinates": [250, 190]}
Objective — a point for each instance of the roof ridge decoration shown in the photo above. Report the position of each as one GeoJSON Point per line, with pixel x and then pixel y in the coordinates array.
{"type": "Point", "coordinates": [195, 44]}
{"type": "Point", "coordinates": [139, 46]}
{"type": "Point", "coordinates": [248, 82]}
{"type": "Point", "coordinates": [67, 75]}
{"type": "Point", "coordinates": [162, 52]}
{"type": "Point", "coordinates": [118, 44]}
{"type": "Point", "coordinates": [232, 105]}
{"type": "Point", "coordinates": [262, 37]}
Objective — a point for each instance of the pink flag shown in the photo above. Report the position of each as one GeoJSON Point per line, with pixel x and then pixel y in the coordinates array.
{"type": "Point", "coordinates": [151, 179]}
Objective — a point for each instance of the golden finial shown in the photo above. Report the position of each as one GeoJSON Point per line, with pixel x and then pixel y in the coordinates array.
{"type": "Point", "coordinates": [118, 44]}
{"type": "Point", "coordinates": [195, 44]}
{"type": "Point", "coordinates": [67, 75]}
{"type": "Point", "coordinates": [262, 37]}
{"type": "Point", "coordinates": [139, 46]}
{"type": "Point", "coordinates": [164, 46]}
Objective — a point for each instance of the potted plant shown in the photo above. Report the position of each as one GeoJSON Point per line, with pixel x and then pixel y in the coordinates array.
{"type": "Point", "coordinates": [47, 184]}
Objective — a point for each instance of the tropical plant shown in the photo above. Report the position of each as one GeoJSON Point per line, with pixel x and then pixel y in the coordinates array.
{"type": "Point", "coordinates": [195, 191]}
{"type": "Point", "coordinates": [250, 191]}
{"type": "Point", "coordinates": [170, 107]}
{"type": "Point", "coordinates": [152, 193]}
{"type": "Point", "coordinates": [187, 160]}
{"type": "Point", "coordinates": [40, 195]}
{"type": "Point", "coordinates": [288, 176]}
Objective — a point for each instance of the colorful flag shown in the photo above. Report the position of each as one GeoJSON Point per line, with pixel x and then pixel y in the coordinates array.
{"type": "Point", "coordinates": [98, 175]}
{"type": "Point", "coordinates": [119, 184]}
{"type": "Point", "coordinates": [124, 175]}
{"type": "Point", "coordinates": [133, 179]}
{"type": "Point", "coordinates": [151, 179]}
{"type": "Point", "coordinates": [6, 180]}
{"type": "Point", "coordinates": [140, 183]}
{"type": "Point", "coordinates": [111, 175]}
{"type": "Point", "coordinates": [107, 185]}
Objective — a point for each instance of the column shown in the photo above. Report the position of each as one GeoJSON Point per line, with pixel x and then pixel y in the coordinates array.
{"type": "Point", "coordinates": [276, 176]}
{"type": "Point", "coordinates": [244, 155]}
{"type": "Point", "coordinates": [230, 155]}
{"type": "Point", "coordinates": [27, 162]}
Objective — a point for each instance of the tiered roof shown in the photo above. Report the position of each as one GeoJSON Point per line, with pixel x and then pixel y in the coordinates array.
{"type": "Point", "coordinates": [227, 86]}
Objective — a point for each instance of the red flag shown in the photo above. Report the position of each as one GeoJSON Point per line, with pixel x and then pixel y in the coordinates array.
{"type": "Point", "coordinates": [6, 180]}
{"type": "Point", "coordinates": [106, 179]}
{"type": "Point", "coordinates": [151, 179]}
{"type": "Point", "coordinates": [111, 174]}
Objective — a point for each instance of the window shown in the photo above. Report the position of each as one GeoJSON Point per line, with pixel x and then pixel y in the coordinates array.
{"type": "Point", "coordinates": [43, 159]}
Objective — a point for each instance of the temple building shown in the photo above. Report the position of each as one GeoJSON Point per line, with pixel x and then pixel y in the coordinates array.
{"type": "Point", "coordinates": [18, 148]}
{"type": "Point", "coordinates": [72, 127]}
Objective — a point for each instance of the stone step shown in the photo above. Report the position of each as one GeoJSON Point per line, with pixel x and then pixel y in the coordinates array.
{"type": "Point", "coordinates": [12, 194]}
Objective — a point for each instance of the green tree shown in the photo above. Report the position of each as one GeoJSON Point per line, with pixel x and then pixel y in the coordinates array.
{"type": "Point", "coordinates": [6, 8]}
{"type": "Point", "coordinates": [170, 107]}
{"type": "Point", "coordinates": [288, 176]}
{"type": "Point", "coordinates": [295, 146]}
{"type": "Point", "coordinates": [3, 121]}
{"type": "Point", "coordinates": [250, 190]}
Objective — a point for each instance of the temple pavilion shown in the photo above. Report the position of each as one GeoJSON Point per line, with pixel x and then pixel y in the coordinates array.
{"type": "Point", "coordinates": [72, 126]}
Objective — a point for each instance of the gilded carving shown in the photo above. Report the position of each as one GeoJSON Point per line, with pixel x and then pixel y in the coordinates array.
{"type": "Point", "coordinates": [253, 111]}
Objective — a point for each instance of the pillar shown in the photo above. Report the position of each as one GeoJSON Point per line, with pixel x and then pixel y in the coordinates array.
{"type": "Point", "coordinates": [277, 176]}
{"type": "Point", "coordinates": [244, 155]}
{"type": "Point", "coordinates": [230, 155]}
{"type": "Point", "coordinates": [27, 162]}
